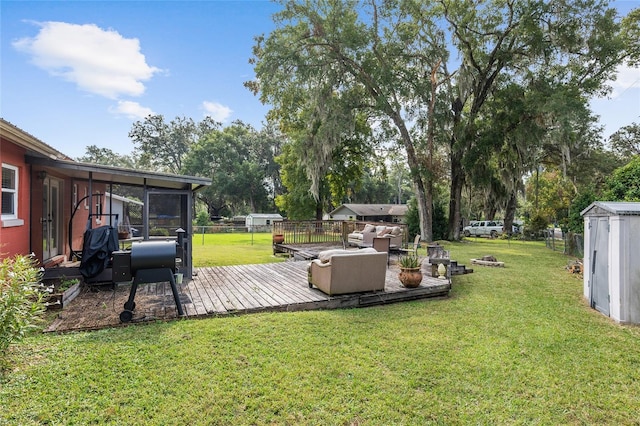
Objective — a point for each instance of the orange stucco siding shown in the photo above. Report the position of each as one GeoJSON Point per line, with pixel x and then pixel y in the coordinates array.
{"type": "Point", "coordinates": [14, 238]}
{"type": "Point", "coordinates": [27, 237]}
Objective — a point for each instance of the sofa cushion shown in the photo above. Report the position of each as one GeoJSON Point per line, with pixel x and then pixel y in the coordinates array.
{"type": "Point", "coordinates": [355, 236]}
{"type": "Point", "coordinates": [325, 256]}
{"type": "Point", "coordinates": [395, 231]}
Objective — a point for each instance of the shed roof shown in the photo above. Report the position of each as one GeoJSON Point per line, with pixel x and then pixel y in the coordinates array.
{"type": "Point", "coordinates": [123, 199]}
{"type": "Point", "coordinates": [620, 208]}
{"type": "Point", "coordinates": [265, 215]}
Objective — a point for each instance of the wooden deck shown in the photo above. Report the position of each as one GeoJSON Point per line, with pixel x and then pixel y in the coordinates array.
{"type": "Point", "coordinates": [228, 290]}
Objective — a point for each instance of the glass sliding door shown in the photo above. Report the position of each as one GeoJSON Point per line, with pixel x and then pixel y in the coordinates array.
{"type": "Point", "coordinates": [50, 218]}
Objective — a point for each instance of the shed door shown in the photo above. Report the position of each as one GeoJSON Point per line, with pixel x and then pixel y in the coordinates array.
{"type": "Point", "coordinates": [600, 264]}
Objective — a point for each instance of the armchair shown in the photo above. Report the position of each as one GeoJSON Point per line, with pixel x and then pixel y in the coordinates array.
{"type": "Point", "coordinates": [349, 271]}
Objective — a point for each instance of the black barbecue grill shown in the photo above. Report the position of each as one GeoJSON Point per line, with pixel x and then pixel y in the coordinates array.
{"type": "Point", "coordinates": [147, 262]}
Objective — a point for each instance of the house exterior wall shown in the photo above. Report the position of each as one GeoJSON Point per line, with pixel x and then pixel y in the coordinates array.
{"type": "Point", "coordinates": [67, 204]}
{"type": "Point", "coordinates": [343, 213]}
{"type": "Point", "coordinates": [81, 216]}
{"type": "Point", "coordinates": [14, 236]}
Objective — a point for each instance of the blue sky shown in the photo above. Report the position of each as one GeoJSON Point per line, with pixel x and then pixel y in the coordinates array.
{"type": "Point", "coordinates": [79, 73]}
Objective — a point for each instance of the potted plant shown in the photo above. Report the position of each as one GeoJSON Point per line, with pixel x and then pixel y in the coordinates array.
{"type": "Point", "coordinates": [410, 272]}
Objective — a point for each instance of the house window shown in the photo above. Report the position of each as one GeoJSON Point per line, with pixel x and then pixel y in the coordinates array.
{"type": "Point", "coordinates": [9, 192]}
{"type": "Point", "coordinates": [74, 200]}
{"type": "Point", "coordinates": [86, 198]}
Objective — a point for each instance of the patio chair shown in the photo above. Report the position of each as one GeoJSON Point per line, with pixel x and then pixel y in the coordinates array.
{"type": "Point", "coordinates": [413, 249]}
{"type": "Point", "coordinates": [382, 244]}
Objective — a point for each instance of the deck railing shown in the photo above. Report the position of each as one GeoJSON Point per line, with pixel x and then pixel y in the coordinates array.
{"type": "Point", "coordinates": [308, 231]}
{"type": "Point", "coordinates": [322, 231]}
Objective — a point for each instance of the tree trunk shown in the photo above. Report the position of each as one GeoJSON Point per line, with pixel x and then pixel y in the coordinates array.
{"type": "Point", "coordinates": [490, 212]}
{"type": "Point", "coordinates": [425, 210]}
{"type": "Point", "coordinates": [510, 212]}
{"type": "Point", "coordinates": [455, 200]}
{"type": "Point", "coordinates": [425, 214]}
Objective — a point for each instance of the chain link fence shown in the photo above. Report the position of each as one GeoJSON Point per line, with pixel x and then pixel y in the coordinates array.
{"type": "Point", "coordinates": [568, 243]}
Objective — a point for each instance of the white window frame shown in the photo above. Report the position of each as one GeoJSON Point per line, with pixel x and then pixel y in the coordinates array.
{"type": "Point", "coordinates": [12, 218]}
{"type": "Point", "coordinates": [74, 199]}
{"type": "Point", "coordinates": [98, 208]}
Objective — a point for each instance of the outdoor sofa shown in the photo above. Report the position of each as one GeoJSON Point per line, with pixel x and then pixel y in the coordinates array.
{"type": "Point", "coordinates": [364, 237]}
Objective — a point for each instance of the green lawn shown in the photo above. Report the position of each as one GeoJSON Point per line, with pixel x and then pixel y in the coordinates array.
{"type": "Point", "coordinates": [232, 249]}
{"type": "Point", "coordinates": [513, 345]}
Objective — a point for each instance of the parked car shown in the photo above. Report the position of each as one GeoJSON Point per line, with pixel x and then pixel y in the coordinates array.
{"type": "Point", "coordinates": [489, 228]}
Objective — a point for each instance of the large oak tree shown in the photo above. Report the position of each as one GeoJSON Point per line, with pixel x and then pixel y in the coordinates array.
{"type": "Point", "coordinates": [424, 72]}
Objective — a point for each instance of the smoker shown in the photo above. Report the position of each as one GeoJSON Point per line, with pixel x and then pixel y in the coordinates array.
{"type": "Point", "coordinates": [147, 262]}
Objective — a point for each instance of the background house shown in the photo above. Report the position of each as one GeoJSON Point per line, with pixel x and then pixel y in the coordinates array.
{"type": "Point", "coordinates": [393, 213]}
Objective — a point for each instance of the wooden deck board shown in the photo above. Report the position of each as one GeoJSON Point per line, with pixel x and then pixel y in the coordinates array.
{"type": "Point", "coordinates": [207, 292]}
{"type": "Point", "coordinates": [230, 290]}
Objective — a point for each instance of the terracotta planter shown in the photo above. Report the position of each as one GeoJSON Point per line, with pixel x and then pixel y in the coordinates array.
{"type": "Point", "coordinates": [410, 277]}
{"type": "Point", "coordinates": [278, 238]}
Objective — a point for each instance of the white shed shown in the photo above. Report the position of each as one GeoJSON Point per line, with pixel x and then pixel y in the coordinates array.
{"type": "Point", "coordinates": [256, 220]}
{"type": "Point", "coordinates": [612, 259]}
{"type": "Point", "coordinates": [124, 207]}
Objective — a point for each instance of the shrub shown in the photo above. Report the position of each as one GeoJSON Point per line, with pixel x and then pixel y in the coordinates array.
{"type": "Point", "coordinates": [21, 299]}
{"type": "Point", "coordinates": [159, 232]}
{"type": "Point", "coordinates": [65, 284]}
{"type": "Point", "coordinates": [202, 219]}
{"type": "Point", "coordinates": [536, 226]}
{"type": "Point", "coordinates": [624, 183]}
{"type": "Point", "coordinates": [579, 203]}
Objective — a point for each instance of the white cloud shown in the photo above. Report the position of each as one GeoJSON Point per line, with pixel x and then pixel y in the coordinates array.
{"type": "Point", "coordinates": [96, 60]}
{"type": "Point", "coordinates": [132, 110]}
{"type": "Point", "coordinates": [217, 111]}
{"type": "Point", "coordinates": [628, 78]}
